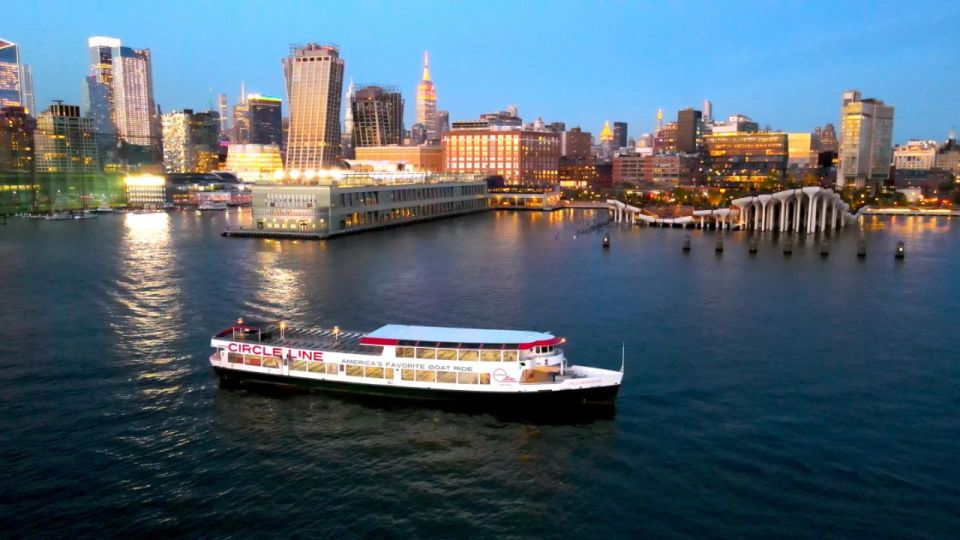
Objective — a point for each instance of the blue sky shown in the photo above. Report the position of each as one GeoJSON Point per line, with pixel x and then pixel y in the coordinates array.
{"type": "Point", "coordinates": [783, 63]}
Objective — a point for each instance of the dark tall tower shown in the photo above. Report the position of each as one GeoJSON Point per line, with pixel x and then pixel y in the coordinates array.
{"type": "Point", "coordinates": [689, 130]}
{"type": "Point", "coordinates": [620, 134]}
{"type": "Point", "coordinates": [377, 116]}
{"type": "Point", "coordinates": [265, 120]}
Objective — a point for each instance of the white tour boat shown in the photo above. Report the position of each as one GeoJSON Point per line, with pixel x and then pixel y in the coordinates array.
{"type": "Point", "coordinates": [463, 365]}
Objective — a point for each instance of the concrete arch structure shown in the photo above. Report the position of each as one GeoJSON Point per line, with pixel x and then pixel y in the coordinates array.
{"type": "Point", "coordinates": [808, 210]}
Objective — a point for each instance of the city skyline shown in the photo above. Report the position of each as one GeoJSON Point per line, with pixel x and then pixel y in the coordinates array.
{"type": "Point", "coordinates": [785, 67]}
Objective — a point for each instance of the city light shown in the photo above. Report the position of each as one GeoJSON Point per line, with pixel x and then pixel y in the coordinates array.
{"type": "Point", "coordinates": [144, 180]}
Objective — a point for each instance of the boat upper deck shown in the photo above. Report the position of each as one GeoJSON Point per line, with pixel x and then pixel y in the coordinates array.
{"type": "Point", "coordinates": [322, 339]}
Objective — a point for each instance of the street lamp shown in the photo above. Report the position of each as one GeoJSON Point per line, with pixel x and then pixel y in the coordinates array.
{"type": "Point", "coordinates": [336, 333]}
{"type": "Point", "coordinates": [283, 326]}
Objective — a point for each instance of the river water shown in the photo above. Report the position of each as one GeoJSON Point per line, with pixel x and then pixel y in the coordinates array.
{"type": "Point", "coordinates": [764, 395]}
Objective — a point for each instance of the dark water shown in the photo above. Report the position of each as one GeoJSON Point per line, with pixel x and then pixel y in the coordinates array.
{"type": "Point", "coordinates": [764, 395]}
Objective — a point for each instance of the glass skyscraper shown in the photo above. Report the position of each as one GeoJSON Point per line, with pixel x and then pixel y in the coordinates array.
{"type": "Point", "coordinates": [9, 74]}
{"type": "Point", "coordinates": [314, 79]}
{"type": "Point", "coordinates": [135, 113]}
{"type": "Point", "coordinates": [377, 116]}
{"type": "Point", "coordinates": [265, 120]}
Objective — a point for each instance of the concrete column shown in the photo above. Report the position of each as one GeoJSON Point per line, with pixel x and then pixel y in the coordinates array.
{"type": "Point", "coordinates": [823, 216]}
{"type": "Point", "coordinates": [784, 206]}
{"type": "Point", "coordinates": [833, 215]}
{"type": "Point", "coordinates": [756, 215]}
{"type": "Point", "coordinates": [811, 212]}
{"type": "Point", "coordinates": [797, 203]}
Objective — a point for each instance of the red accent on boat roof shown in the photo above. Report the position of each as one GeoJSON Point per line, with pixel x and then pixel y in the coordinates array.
{"type": "Point", "coordinates": [378, 341]}
{"type": "Point", "coordinates": [541, 343]}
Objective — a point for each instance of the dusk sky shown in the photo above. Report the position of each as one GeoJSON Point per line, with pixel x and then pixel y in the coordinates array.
{"type": "Point", "coordinates": [783, 63]}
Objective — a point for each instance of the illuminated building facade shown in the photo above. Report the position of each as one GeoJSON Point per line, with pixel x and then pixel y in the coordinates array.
{"type": "Point", "coordinates": [665, 139]}
{"type": "Point", "coordinates": [735, 123]}
{"type": "Point", "coordinates": [427, 102]}
{"type": "Point", "coordinates": [520, 157]}
{"type": "Point", "coordinates": [64, 141]}
{"type": "Point", "coordinates": [606, 134]}
{"type": "Point", "coordinates": [744, 157]}
{"type": "Point", "coordinates": [241, 122]}
{"type": "Point", "coordinates": [255, 163]}
{"type": "Point", "coordinates": [866, 133]}
{"type": "Point", "coordinates": [190, 141]}
{"type": "Point", "coordinates": [377, 114]}
{"type": "Point", "coordinates": [577, 172]}
{"type": "Point", "coordinates": [224, 115]}
{"type": "Point", "coordinates": [314, 81]}
{"type": "Point", "coordinates": [145, 191]}
{"type": "Point", "coordinates": [9, 74]}
{"type": "Point", "coordinates": [499, 120]}
{"type": "Point", "coordinates": [803, 150]}
{"type": "Point", "coordinates": [919, 155]}
{"type": "Point", "coordinates": [265, 120]}
{"type": "Point", "coordinates": [660, 171]}
{"type": "Point", "coordinates": [135, 113]}
{"type": "Point", "coordinates": [16, 140]}
{"type": "Point", "coordinates": [419, 158]}
{"type": "Point", "coordinates": [689, 131]}
{"type": "Point", "coordinates": [357, 201]}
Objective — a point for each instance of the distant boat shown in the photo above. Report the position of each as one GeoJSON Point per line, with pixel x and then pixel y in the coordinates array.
{"type": "Point", "coordinates": [57, 216]}
{"type": "Point", "coordinates": [213, 206]}
{"type": "Point", "coordinates": [103, 209]}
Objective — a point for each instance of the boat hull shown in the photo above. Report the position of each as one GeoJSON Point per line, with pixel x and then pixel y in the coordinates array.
{"type": "Point", "coordinates": [602, 397]}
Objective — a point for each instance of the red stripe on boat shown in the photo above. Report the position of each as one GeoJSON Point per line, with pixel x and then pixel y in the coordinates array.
{"type": "Point", "coordinates": [378, 341]}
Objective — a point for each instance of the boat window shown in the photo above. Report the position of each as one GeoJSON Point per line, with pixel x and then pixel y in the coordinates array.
{"type": "Point", "coordinates": [467, 378]}
{"type": "Point", "coordinates": [447, 376]}
{"type": "Point", "coordinates": [332, 368]}
{"type": "Point", "coordinates": [484, 378]}
{"type": "Point", "coordinates": [509, 356]}
{"type": "Point", "coordinates": [375, 372]}
{"type": "Point", "coordinates": [490, 356]}
{"type": "Point", "coordinates": [355, 371]}
{"type": "Point", "coordinates": [447, 354]}
{"type": "Point", "coordinates": [429, 354]}
{"type": "Point", "coordinates": [405, 352]}
{"type": "Point", "coordinates": [426, 375]}
{"type": "Point", "coordinates": [299, 365]}
{"type": "Point", "coordinates": [234, 358]}
{"type": "Point", "coordinates": [407, 374]}
{"type": "Point", "coordinates": [469, 356]}
{"type": "Point", "coordinates": [388, 373]}
{"type": "Point", "coordinates": [316, 367]}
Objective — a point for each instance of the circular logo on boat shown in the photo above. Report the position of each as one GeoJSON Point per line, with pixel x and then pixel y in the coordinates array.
{"type": "Point", "coordinates": [500, 375]}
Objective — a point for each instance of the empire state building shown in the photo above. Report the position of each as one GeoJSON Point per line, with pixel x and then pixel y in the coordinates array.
{"type": "Point", "coordinates": [427, 102]}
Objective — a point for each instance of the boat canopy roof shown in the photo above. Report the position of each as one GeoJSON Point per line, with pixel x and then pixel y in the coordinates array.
{"type": "Point", "coordinates": [431, 336]}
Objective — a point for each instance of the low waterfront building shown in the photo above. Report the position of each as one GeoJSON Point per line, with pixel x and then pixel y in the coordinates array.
{"type": "Point", "coordinates": [660, 171]}
{"type": "Point", "coordinates": [526, 197]}
{"type": "Point", "coordinates": [342, 202]}
{"type": "Point", "coordinates": [145, 191]}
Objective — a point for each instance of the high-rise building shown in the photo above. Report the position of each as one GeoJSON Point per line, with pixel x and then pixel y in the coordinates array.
{"type": "Point", "coordinates": [519, 156]}
{"type": "Point", "coordinates": [314, 80]}
{"type": "Point", "coordinates": [64, 141]}
{"type": "Point", "coordinates": [866, 132]}
{"type": "Point", "coordinates": [738, 157]}
{"type": "Point", "coordinates": [97, 91]}
{"type": "Point", "coordinates": [241, 122]}
{"type": "Point", "coordinates": [827, 137]}
{"type": "Point", "coordinates": [575, 143]}
{"type": "Point", "coordinates": [190, 141]}
{"type": "Point", "coordinates": [135, 112]}
{"type": "Point", "coordinates": [95, 98]}
{"type": "Point", "coordinates": [26, 88]}
{"type": "Point", "coordinates": [9, 74]}
{"type": "Point", "coordinates": [265, 120]}
{"type": "Point", "coordinates": [707, 111]}
{"type": "Point", "coordinates": [427, 102]}
{"type": "Point", "coordinates": [620, 134]}
{"type": "Point", "coordinates": [377, 113]}
{"type": "Point", "coordinates": [347, 135]}
{"type": "Point", "coordinates": [443, 122]}
{"type": "Point", "coordinates": [16, 139]}
{"type": "Point", "coordinates": [499, 120]}
{"type": "Point", "coordinates": [224, 116]}
{"type": "Point", "coordinates": [689, 131]}
{"type": "Point", "coordinates": [665, 139]}
{"type": "Point", "coordinates": [255, 163]}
